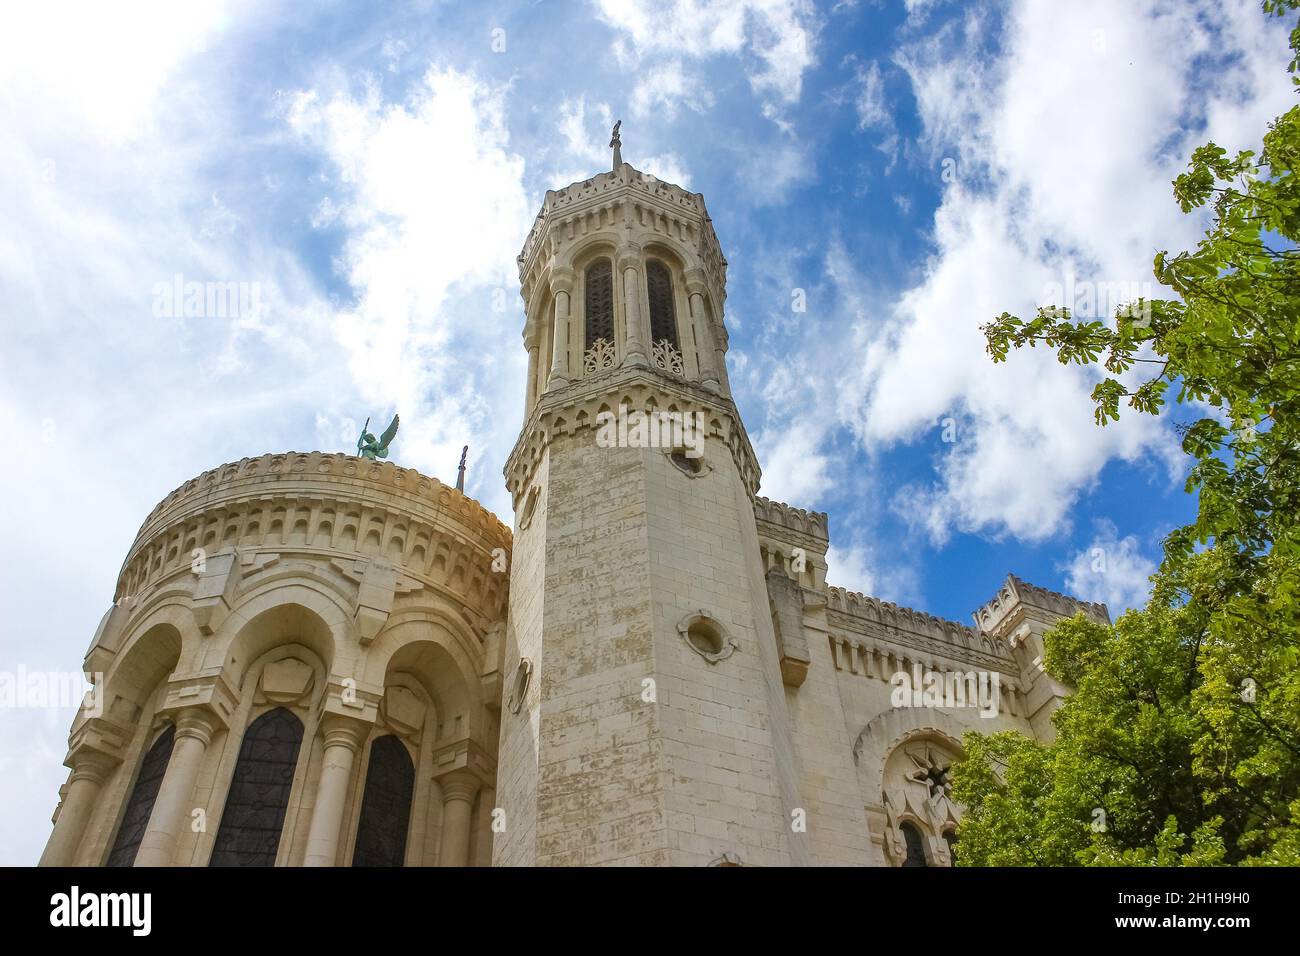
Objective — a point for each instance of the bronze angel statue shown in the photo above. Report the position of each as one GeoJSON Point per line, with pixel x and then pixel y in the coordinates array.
{"type": "Point", "coordinates": [370, 447]}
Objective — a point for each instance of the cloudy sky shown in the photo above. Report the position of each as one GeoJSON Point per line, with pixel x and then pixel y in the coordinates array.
{"type": "Point", "coordinates": [367, 174]}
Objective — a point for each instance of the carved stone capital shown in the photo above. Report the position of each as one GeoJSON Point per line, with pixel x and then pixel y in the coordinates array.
{"type": "Point", "coordinates": [201, 723]}
{"type": "Point", "coordinates": [347, 698]}
{"type": "Point", "coordinates": [208, 693]}
{"type": "Point", "coordinates": [562, 280]}
{"type": "Point", "coordinates": [95, 749]}
{"type": "Point", "coordinates": [695, 281]}
{"type": "Point", "coordinates": [345, 731]}
{"type": "Point", "coordinates": [628, 257]}
{"type": "Point", "coordinates": [459, 785]}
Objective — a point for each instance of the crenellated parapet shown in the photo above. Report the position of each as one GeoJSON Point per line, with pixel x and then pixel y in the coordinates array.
{"type": "Point", "coordinates": [879, 624]}
{"type": "Point", "coordinates": [778, 513]}
{"type": "Point", "coordinates": [1017, 599]}
{"type": "Point", "coordinates": [793, 540]}
{"type": "Point", "coordinates": [1020, 615]}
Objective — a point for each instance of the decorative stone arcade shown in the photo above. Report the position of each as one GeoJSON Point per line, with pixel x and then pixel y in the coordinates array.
{"type": "Point", "coordinates": [301, 667]}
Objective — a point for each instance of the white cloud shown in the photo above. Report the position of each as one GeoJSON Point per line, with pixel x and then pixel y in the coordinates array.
{"type": "Point", "coordinates": [102, 64]}
{"type": "Point", "coordinates": [871, 106]}
{"type": "Point", "coordinates": [1064, 156]}
{"type": "Point", "coordinates": [1111, 570]}
{"type": "Point", "coordinates": [776, 36]}
{"type": "Point", "coordinates": [860, 568]}
{"type": "Point", "coordinates": [663, 86]}
{"type": "Point", "coordinates": [434, 204]}
{"type": "Point", "coordinates": [850, 568]}
{"type": "Point", "coordinates": [795, 468]}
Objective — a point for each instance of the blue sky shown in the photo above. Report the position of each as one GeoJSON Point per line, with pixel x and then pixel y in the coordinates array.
{"type": "Point", "coordinates": [915, 168]}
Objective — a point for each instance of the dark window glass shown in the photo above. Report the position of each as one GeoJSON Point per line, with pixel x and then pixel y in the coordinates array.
{"type": "Point", "coordinates": [259, 792]}
{"type": "Point", "coordinates": [915, 849]}
{"type": "Point", "coordinates": [951, 839]}
{"type": "Point", "coordinates": [599, 302]}
{"type": "Point", "coordinates": [143, 795]}
{"type": "Point", "coordinates": [386, 805]}
{"type": "Point", "coordinates": [663, 314]}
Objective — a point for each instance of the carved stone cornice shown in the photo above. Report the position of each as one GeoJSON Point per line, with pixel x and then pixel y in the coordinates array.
{"type": "Point", "coordinates": [574, 408]}
{"type": "Point", "coordinates": [849, 637]}
{"type": "Point", "coordinates": [323, 506]}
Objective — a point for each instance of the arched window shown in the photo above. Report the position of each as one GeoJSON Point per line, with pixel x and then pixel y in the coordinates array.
{"type": "Point", "coordinates": [386, 805]}
{"type": "Point", "coordinates": [950, 837]}
{"type": "Point", "coordinates": [259, 792]}
{"type": "Point", "coordinates": [915, 848]}
{"type": "Point", "coordinates": [663, 313]}
{"type": "Point", "coordinates": [598, 302]}
{"type": "Point", "coordinates": [143, 795]}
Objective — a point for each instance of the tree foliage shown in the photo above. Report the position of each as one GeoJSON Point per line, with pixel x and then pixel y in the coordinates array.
{"type": "Point", "coordinates": [1181, 743]}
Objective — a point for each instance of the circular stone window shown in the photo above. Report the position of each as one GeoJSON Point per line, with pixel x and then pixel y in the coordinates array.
{"type": "Point", "coordinates": [519, 686]}
{"type": "Point", "coordinates": [690, 465]}
{"type": "Point", "coordinates": [706, 636]}
{"type": "Point", "coordinates": [530, 507]}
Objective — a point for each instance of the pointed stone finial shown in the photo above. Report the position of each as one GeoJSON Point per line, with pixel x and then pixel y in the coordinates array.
{"type": "Point", "coordinates": [460, 473]}
{"type": "Point", "coordinates": [617, 145]}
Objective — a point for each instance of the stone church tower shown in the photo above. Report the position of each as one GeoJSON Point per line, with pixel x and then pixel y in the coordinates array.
{"type": "Point", "coordinates": [654, 718]}
{"type": "Point", "coordinates": [319, 659]}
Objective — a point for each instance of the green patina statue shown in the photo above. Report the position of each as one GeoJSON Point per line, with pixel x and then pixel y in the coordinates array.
{"type": "Point", "coordinates": [370, 447]}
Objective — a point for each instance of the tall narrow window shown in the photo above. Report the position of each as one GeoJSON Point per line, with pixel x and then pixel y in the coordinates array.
{"type": "Point", "coordinates": [386, 805]}
{"type": "Point", "coordinates": [915, 849]}
{"type": "Point", "coordinates": [664, 348]}
{"type": "Point", "coordinates": [663, 314]}
{"type": "Point", "coordinates": [143, 795]}
{"type": "Point", "coordinates": [598, 316]}
{"type": "Point", "coordinates": [259, 792]}
{"type": "Point", "coordinates": [950, 837]}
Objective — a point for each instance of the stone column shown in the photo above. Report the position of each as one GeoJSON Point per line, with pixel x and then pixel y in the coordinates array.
{"type": "Point", "coordinates": [174, 806]}
{"type": "Point", "coordinates": [458, 790]}
{"type": "Point", "coordinates": [703, 334]}
{"type": "Point", "coordinates": [530, 396]}
{"type": "Point", "coordinates": [720, 359]}
{"type": "Point", "coordinates": [562, 289]}
{"type": "Point", "coordinates": [629, 265]}
{"type": "Point", "coordinates": [343, 736]}
{"type": "Point", "coordinates": [89, 771]}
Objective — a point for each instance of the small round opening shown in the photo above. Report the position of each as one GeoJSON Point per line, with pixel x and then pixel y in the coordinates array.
{"type": "Point", "coordinates": [690, 466]}
{"type": "Point", "coordinates": [704, 637]}
{"type": "Point", "coordinates": [530, 506]}
{"type": "Point", "coordinates": [519, 687]}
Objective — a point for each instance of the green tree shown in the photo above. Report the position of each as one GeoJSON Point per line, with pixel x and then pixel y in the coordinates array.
{"type": "Point", "coordinates": [1181, 743]}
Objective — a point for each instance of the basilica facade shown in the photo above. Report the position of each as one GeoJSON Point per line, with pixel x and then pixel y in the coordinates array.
{"type": "Point", "coordinates": [315, 659]}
